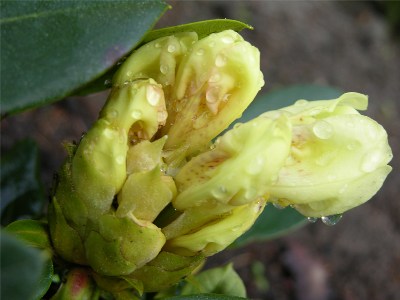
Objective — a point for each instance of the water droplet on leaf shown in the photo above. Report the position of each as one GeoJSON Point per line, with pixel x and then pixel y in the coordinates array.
{"type": "Point", "coordinates": [312, 219]}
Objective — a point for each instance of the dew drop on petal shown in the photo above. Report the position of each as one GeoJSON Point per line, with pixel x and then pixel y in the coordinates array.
{"type": "Point", "coordinates": [312, 219]}
{"type": "Point", "coordinates": [120, 159]}
{"type": "Point", "coordinates": [162, 116]}
{"type": "Point", "coordinates": [219, 192]}
{"type": "Point", "coordinates": [277, 205]}
{"type": "Point", "coordinates": [331, 220]}
{"type": "Point", "coordinates": [164, 69]}
{"type": "Point", "coordinates": [220, 60]}
{"type": "Point", "coordinates": [200, 52]}
{"type": "Point", "coordinates": [227, 40]}
{"type": "Point", "coordinates": [212, 94]}
{"type": "Point", "coordinates": [215, 77]}
{"type": "Point", "coordinates": [108, 133]}
{"type": "Point", "coordinates": [301, 102]}
{"type": "Point", "coordinates": [152, 96]}
{"type": "Point", "coordinates": [157, 45]}
{"type": "Point", "coordinates": [371, 161]}
{"type": "Point", "coordinates": [136, 114]}
{"type": "Point", "coordinates": [171, 48]}
{"type": "Point", "coordinates": [255, 166]}
{"type": "Point", "coordinates": [323, 130]}
{"type": "Point", "coordinates": [112, 114]}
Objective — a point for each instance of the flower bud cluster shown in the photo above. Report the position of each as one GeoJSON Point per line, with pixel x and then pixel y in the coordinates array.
{"type": "Point", "coordinates": [148, 192]}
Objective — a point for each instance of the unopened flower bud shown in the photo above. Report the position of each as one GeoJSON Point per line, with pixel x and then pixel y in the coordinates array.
{"type": "Point", "coordinates": [338, 158]}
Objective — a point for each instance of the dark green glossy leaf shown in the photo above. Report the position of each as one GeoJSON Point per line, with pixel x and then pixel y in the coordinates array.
{"type": "Point", "coordinates": [51, 48]}
{"type": "Point", "coordinates": [33, 233]}
{"type": "Point", "coordinates": [22, 269]}
{"type": "Point", "coordinates": [204, 297]}
{"type": "Point", "coordinates": [21, 191]}
{"type": "Point", "coordinates": [273, 222]}
{"type": "Point", "coordinates": [223, 280]}
{"type": "Point", "coordinates": [202, 28]}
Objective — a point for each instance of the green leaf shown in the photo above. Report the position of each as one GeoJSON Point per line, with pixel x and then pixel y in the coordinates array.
{"type": "Point", "coordinates": [33, 233]}
{"type": "Point", "coordinates": [204, 297]}
{"type": "Point", "coordinates": [270, 224]}
{"type": "Point", "coordinates": [22, 269]}
{"type": "Point", "coordinates": [21, 191]}
{"type": "Point", "coordinates": [51, 48]}
{"type": "Point", "coordinates": [222, 280]}
{"type": "Point", "coordinates": [202, 28]}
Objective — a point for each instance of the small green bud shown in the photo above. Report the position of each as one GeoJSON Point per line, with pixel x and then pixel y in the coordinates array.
{"type": "Point", "coordinates": [77, 286]}
{"type": "Point", "coordinates": [338, 158]}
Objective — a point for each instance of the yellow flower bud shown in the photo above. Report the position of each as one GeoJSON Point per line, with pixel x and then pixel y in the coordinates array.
{"type": "Point", "coordinates": [338, 158]}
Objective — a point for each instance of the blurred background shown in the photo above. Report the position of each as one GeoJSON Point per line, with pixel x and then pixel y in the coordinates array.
{"type": "Point", "coordinates": [353, 46]}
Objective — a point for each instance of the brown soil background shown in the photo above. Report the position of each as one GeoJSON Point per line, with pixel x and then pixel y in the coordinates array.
{"type": "Point", "coordinates": [347, 45]}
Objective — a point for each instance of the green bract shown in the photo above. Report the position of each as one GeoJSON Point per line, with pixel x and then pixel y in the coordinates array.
{"type": "Point", "coordinates": [147, 194]}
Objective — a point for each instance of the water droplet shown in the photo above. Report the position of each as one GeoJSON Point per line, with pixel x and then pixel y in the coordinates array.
{"type": "Point", "coordinates": [277, 205]}
{"type": "Point", "coordinates": [250, 194]}
{"type": "Point", "coordinates": [214, 77]}
{"type": "Point", "coordinates": [164, 69]}
{"type": "Point", "coordinates": [312, 219]}
{"type": "Point", "coordinates": [227, 40]}
{"type": "Point", "coordinates": [171, 48]}
{"type": "Point", "coordinates": [152, 95]}
{"type": "Point", "coordinates": [107, 83]}
{"type": "Point", "coordinates": [301, 102]}
{"type": "Point", "coordinates": [120, 159]}
{"type": "Point", "coordinates": [220, 60]}
{"type": "Point", "coordinates": [219, 193]}
{"type": "Point", "coordinates": [256, 166]}
{"type": "Point", "coordinates": [371, 161]}
{"type": "Point", "coordinates": [129, 73]}
{"type": "Point", "coordinates": [162, 116]}
{"type": "Point", "coordinates": [200, 51]}
{"type": "Point", "coordinates": [112, 114]}
{"type": "Point", "coordinates": [108, 133]}
{"type": "Point", "coordinates": [331, 220]}
{"type": "Point", "coordinates": [323, 130]}
{"type": "Point", "coordinates": [343, 188]}
{"type": "Point", "coordinates": [136, 114]}
{"type": "Point", "coordinates": [212, 94]}
{"type": "Point", "coordinates": [157, 45]}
